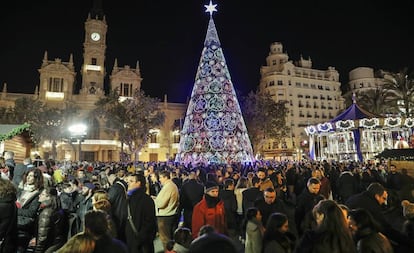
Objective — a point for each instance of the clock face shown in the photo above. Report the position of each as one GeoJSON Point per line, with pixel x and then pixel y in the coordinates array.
{"type": "Point", "coordinates": [95, 36]}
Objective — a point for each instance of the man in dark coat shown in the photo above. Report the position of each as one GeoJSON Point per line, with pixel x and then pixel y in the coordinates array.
{"type": "Point", "coordinates": [347, 185]}
{"type": "Point", "coordinates": [230, 206]}
{"type": "Point", "coordinates": [305, 203]}
{"type": "Point", "coordinates": [8, 217]}
{"type": "Point", "coordinates": [269, 204]}
{"type": "Point", "coordinates": [190, 194]}
{"type": "Point", "coordinates": [251, 194]}
{"type": "Point", "coordinates": [372, 199]}
{"type": "Point", "coordinates": [117, 197]}
{"type": "Point", "coordinates": [140, 236]}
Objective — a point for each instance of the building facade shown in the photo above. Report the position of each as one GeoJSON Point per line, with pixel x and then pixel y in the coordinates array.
{"type": "Point", "coordinates": [312, 96]}
{"type": "Point", "coordinates": [57, 89]}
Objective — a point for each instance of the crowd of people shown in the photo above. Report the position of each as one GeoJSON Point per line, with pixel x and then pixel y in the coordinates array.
{"type": "Point", "coordinates": [263, 207]}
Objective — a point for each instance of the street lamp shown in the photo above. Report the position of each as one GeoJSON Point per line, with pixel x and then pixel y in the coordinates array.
{"type": "Point", "coordinates": [78, 131]}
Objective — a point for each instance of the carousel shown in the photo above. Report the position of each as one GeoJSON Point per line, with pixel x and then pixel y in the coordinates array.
{"type": "Point", "coordinates": [358, 135]}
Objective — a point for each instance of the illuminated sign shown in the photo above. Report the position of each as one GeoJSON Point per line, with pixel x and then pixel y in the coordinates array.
{"type": "Point", "coordinates": [93, 67]}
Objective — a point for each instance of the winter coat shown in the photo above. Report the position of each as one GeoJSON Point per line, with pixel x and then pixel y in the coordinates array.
{"type": "Point", "coordinates": [118, 200]}
{"type": "Point", "coordinates": [214, 216]}
{"type": "Point", "coordinates": [52, 229]}
{"type": "Point", "coordinates": [367, 201]}
{"type": "Point", "coordinates": [26, 215]}
{"type": "Point", "coordinates": [106, 244]}
{"type": "Point", "coordinates": [143, 216]}
{"type": "Point", "coordinates": [250, 195]}
{"type": "Point", "coordinates": [347, 185]}
{"type": "Point", "coordinates": [254, 237]}
{"type": "Point", "coordinates": [369, 241]}
{"type": "Point", "coordinates": [230, 206]}
{"type": "Point", "coordinates": [304, 205]}
{"type": "Point", "coordinates": [8, 224]}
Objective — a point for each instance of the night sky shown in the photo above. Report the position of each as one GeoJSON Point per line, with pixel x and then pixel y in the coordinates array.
{"type": "Point", "coordinates": [167, 38]}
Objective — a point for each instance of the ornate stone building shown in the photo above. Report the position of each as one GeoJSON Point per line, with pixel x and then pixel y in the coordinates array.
{"type": "Point", "coordinates": [57, 89]}
{"type": "Point", "coordinates": [312, 96]}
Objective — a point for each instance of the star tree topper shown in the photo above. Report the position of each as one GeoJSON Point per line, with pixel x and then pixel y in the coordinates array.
{"type": "Point", "coordinates": [211, 8]}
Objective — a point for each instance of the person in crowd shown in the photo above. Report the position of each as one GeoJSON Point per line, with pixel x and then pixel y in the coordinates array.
{"type": "Point", "coordinates": [28, 205]}
{"type": "Point", "coordinates": [305, 203]}
{"type": "Point", "coordinates": [276, 237]}
{"type": "Point", "coordinates": [167, 202]}
{"type": "Point", "coordinates": [394, 179]}
{"type": "Point", "coordinates": [81, 175]}
{"type": "Point", "coordinates": [21, 169]}
{"type": "Point", "coordinates": [70, 196]}
{"type": "Point", "coordinates": [347, 185]}
{"type": "Point", "coordinates": [241, 186]}
{"type": "Point", "coordinates": [254, 231]}
{"type": "Point", "coordinates": [86, 202]}
{"type": "Point", "coordinates": [8, 217]}
{"type": "Point", "coordinates": [408, 212]}
{"type": "Point", "coordinates": [190, 194]}
{"type": "Point", "coordinates": [264, 181]}
{"type": "Point", "coordinates": [212, 242]}
{"type": "Point", "coordinates": [52, 224]}
{"type": "Point", "coordinates": [9, 162]}
{"type": "Point", "coordinates": [182, 240]}
{"type": "Point", "coordinates": [210, 210]}
{"type": "Point", "coordinates": [331, 233]}
{"type": "Point", "coordinates": [345, 211]}
{"type": "Point", "coordinates": [79, 243]}
{"type": "Point", "coordinates": [325, 189]}
{"type": "Point", "coordinates": [154, 184]}
{"type": "Point", "coordinates": [117, 194]}
{"type": "Point", "coordinates": [230, 206]}
{"type": "Point", "coordinates": [269, 204]}
{"type": "Point", "coordinates": [96, 224]}
{"type": "Point", "coordinates": [291, 178]}
{"type": "Point", "coordinates": [366, 233]}
{"type": "Point", "coordinates": [140, 227]}
{"type": "Point", "coordinates": [251, 194]}
{"type": "Point", "coordinates": [372, 200]}
{"type": "Point", "coordinates": [100, 201]}
{"type": "Point", "coordinates": [205, 229]}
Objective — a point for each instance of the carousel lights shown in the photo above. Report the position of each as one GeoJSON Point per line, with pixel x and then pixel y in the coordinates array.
{"type": "Point", "coordinates": [345, 124]}
{"type": "Point", "coordinates": [392, 122]}
{"type": "Point", "coordinates": [409, 122]}
{"type": "Point", "coordinates": [369, 123]}
{"type": "Point", "coordinates": [310, 130]}
{"type": "Point", "coordinates": [324, 127]}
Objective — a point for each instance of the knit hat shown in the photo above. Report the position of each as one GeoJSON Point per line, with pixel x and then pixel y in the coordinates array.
{"type": "Point", "coordinates": [89, 185]}
{"type": "Point", "coordinates": [210, 185]}
{"type": "Point", "coordinates": [408, 209]}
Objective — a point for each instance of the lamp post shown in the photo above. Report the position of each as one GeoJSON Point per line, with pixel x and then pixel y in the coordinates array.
{"type": "Point", "coordinates": [78, 131]}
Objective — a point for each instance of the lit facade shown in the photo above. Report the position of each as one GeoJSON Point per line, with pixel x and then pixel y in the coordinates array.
{"type": "Point", "coordinates": [57, 89]}
{"type": "Point", "coordinates": [312, 96]}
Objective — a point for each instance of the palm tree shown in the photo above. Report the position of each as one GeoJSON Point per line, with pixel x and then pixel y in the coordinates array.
{"type": "Point", "coordinates": [401, 85]}
{"type": "Point", "coordinates": [377, 101]}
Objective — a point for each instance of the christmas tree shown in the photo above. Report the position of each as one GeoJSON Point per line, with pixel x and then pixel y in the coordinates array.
{"type": "Point", "coordinates": [214, 131]}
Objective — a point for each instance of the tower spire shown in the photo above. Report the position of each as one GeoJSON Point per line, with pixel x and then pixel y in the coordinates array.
{"type": "Point", "coordinates": [97, 10]}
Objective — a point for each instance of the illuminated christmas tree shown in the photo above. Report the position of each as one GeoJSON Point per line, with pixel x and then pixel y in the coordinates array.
{"type": "Point", "coordinates": [214, 131]}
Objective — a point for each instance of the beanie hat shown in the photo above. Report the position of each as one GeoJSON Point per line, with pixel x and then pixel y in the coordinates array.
{"type": "Point", "coordinates": [89, 185]}
{"type": "Point", "coordinates": [210, 185]}
{"type": "Point", "coordinates": [408, 209]}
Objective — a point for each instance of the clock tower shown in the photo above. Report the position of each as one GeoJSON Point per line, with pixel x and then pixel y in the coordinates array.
{"type": "Point", "coordinates": [94, 47]}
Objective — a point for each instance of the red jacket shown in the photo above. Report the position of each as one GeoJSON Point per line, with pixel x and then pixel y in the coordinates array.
{"type": "Point", "coordinates": [202, 215]}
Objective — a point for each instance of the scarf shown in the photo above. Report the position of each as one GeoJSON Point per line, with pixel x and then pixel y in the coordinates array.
{"type": "Point", "coordinates": [211, 201]}
{"type": "Point", "coordinates": [28, 193]}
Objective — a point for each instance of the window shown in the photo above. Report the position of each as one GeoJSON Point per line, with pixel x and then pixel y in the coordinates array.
{"type": "Point", "coordinates": [271, 83]}
{"type": "Point", "coordinates": [274, 62]}
{"type": "Point", "coordinates": [279, 82]}
{"type": "Point", "coordinates": [55, 84]}
{"type": "Point", "coordinates": [94, 61]}
{"type": "Point", "coordinates": [153, 138]}
{"type": "Point", "coordinates": [176, 138]}
{"type": "Point", "coordinates": [126, 89]}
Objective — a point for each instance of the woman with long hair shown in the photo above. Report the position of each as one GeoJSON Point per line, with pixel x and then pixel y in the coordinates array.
{"type": "Point", "coordinates": [331, 234]}
{"type": "Point", "coordinates": [79, 243]}
{"type": "Point", "coordinates": [276, 237]}
{"type": "Point", "coordinates": [254, 230]}
{"type": "Point", "coordinates": [28, 205]}
{"type": "Point", "coordinates": [52, 225]}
